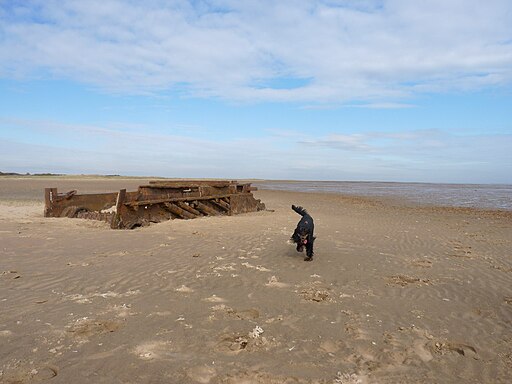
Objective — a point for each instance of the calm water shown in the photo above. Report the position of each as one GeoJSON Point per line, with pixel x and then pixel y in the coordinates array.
{"type": "Point", "coordinates": [486, 196]}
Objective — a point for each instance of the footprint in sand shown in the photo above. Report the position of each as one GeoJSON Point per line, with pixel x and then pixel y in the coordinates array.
{"type": "Point", "coordinates": [420, 343]}
{"type": "Point", "coordinates": [403, 280]}
{"type": "Point", "coordinates": [83, 329]}
{"type": "Point", "coordinates": [246, 314]}
{"type": "Point", "coordinates": [422, 263]}
{"type": "Point", "coordinates": [252, 341]}
{"type": "Point", "coordinates": [444, 347]}
{"type": "Point", "coordinates": [329, 346]}
{"type": "Point", "coordinates": [460, 250]}
{"type": "Point", "coordinates": [316, 292]}
{"type": "Point", "coordinates": [25, 373]}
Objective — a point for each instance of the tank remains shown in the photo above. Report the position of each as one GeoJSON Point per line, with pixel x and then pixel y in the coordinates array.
{"type": "Point", "coordinates": [157, 201]}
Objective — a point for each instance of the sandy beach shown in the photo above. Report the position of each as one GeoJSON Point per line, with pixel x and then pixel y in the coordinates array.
{"type": "Point", "coordinates": [395, 294]}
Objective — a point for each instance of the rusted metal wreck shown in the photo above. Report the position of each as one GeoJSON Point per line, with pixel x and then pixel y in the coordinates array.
{"type": "Point", "coordinates": [158, 201]}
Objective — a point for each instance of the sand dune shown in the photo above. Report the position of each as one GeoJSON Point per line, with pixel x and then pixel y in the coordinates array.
{"type": "Point", "coordinates": [395, 294]}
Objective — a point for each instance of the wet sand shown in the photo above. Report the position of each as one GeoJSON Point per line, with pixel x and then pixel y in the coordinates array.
{"type": "Point", "coordinates": [395, 294]}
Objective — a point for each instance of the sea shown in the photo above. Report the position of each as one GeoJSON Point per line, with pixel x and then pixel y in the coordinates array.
{"type": "Point", "coordinates": [482, 196]}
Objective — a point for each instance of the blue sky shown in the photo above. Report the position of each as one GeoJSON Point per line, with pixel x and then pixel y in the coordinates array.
{"type": "Point", "coordinates": [307, 90]}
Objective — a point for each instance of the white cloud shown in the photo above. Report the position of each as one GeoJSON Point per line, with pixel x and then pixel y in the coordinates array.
{"type": "Point", "coordinates": [376, 52]}
{"type": "Point", "coordinates": [352, 142]}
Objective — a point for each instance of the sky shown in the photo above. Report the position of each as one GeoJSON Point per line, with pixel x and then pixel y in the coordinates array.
{"type": "Point", "coordinates": [369, 90]}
